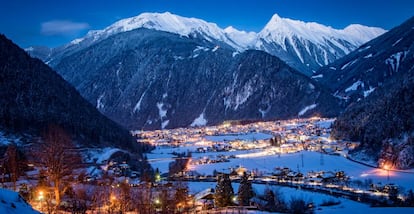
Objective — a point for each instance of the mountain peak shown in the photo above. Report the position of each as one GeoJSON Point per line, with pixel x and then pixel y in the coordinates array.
{"type": "Point", "coordinates": [315, 32]}
{"type": "Point", "coordinates": [167, 22]}
{"type": "Point", "coordinates": [362, 32]}
{"type": "Point", "coordinates": [160, 21]}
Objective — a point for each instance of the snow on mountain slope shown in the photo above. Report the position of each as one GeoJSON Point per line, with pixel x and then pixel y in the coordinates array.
{"type": "Point", "coordinates": [166, 22]}
{"type": "Point", "coordinates": [304, 46]}
{"type": "Point", "coordinates": [279, 29]}
{"type": "Point", "coordinates": [242, 38]}
{"type": "Point", "coordinates": [309, 45]}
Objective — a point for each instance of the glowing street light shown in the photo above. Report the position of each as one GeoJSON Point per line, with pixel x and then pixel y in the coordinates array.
{"type": "Point", "coordinates": [387, 167]}
{"type": "Point", "coordinates": [41, 197]}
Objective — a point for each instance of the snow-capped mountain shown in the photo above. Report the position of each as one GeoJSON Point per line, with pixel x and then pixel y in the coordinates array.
{"type": "Point", "coordinates": [152, 79]}
{"type": "Point", "coordinates": [165, 22]}
{"type": "Point", "coordinates": [150, 70]}
{"type": "Point", "coordinates": [304, 46]}
{"type": "Point", "coordinates": [308, 46]}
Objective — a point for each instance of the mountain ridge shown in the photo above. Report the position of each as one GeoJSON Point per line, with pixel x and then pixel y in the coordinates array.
{"type": "Point", "coordinates": [294, 46]}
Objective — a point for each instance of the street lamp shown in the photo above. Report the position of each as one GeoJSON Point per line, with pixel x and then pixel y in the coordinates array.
{"type": "Point", "coordinates": [41, 197]}
{"type": "Point", "coordinates": [387, 167]}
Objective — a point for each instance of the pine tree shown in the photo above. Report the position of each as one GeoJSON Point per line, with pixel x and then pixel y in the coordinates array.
{"type": "Point", "coordinates": [245, 191]}
{"type": "Point", "coordinates": [224, 191]}
{"type": "Point", "coordinates": [269, 196]}
{"type": "Point", "coordinates": [410, 198]}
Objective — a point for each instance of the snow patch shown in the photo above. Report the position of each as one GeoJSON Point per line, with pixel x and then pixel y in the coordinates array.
{"type": "Point", "coordinates": [100, 155]}
{"type": "Point", "coordinates": [161, 112]}
{"type": "Point", "coordinates": [317, 76]}
{"type": "Point", "coordinates": [265, 111]}
{"type": "Point", "coordinates": [307, 108]}
{"type": "Point", "coordinates": [178, 58]}
{"type": "Point", "coordinates": [368, 92]}
{"type": "Point", "coordinates": [215, 48]}
{"type": "Point", "coordinates": [99, 103]}
{"type": "Point", "coordinates": [195, 56]}
{"type": "Point", "coordinates": [243, 95]}
{"type": "Point", "coordinates": [368, 56]}
{"type": "Point", "coordinates": [364, 48]}
{"type": "Point", "coordinates": [138, 105]}
{"type": "Point", "coordinates": [395, 59]}
{"type": "Point", "coordinates": [332, 68]}
{"type": "Point", "coordinates": [349, 64]}
{"type": "Point", "coordinates": [164, 124]}
{"type": "Point", "coordinates": [29, 49]}
{"type": "Point", "coordinates": [398, 41]}
{"type": "Point", "coordinates": [200, 48]}
{"type": "Point", "coordinates": [76, 41]}
{"type": "Point", "coordinates": [235, 54]}
{"type": "Point", "coordinates": [354, 86]}
{"type": "Point", "coordinates": [199, 121]}
{"type": "Point", "coordinates": [311, 86]}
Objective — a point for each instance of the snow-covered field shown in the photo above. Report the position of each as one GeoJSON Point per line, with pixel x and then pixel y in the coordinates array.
{"type": "Point", "coordinates": [306, 161]}
{"type": "Point", "coordinates": [249, 136]}
{"type": "Point", "coordinates": [346, 205]}
{"type": "Point", "coordinates": [267, 161]}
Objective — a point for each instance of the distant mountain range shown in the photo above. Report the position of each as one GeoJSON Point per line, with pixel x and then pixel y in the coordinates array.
{"type": "Point", "coordinates": [164, 71]}
{"type": "Point", "coordinates": [377, 81]}
{"type": "Point", "coordinates": [304, 46]}
{"type": "Point", "coordinates": [33, 96]}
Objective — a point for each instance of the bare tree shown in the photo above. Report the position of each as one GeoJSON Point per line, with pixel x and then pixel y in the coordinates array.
{"type": "Point", "coordinates": [58, 156]}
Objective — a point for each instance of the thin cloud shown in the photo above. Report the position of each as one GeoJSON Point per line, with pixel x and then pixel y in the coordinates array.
{"type": "Point", "coordinates": [63, 27]}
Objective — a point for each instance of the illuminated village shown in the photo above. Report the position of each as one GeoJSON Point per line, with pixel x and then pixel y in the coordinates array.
{"type": "Point", "coordinates": [294, 156]}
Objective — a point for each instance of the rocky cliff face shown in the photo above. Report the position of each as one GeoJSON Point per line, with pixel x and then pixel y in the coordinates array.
{"type": "Point", "coordinates": [152, 79]}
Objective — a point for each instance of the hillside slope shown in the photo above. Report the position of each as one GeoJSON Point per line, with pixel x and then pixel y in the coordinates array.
{"type": "Point", "coordinates": [33, 96]}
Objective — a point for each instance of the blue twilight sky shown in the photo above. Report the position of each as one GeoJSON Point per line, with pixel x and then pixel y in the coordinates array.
{"type": "Point", "coordinates": [56, 22]}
